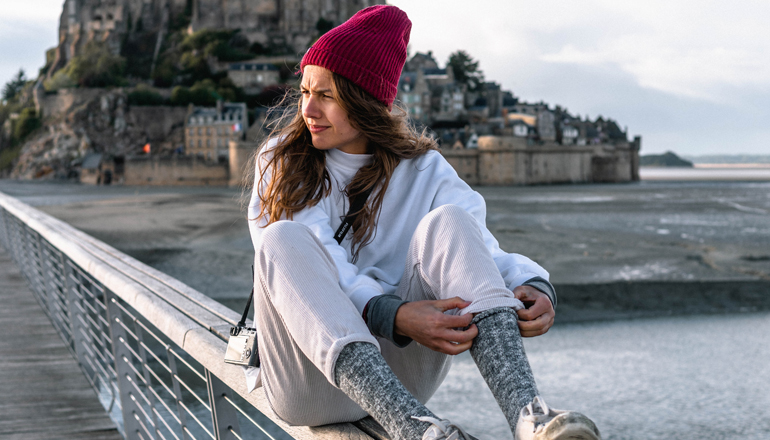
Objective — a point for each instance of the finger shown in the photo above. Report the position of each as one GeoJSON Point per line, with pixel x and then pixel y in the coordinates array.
{"type": "Point", "coordinates": [453, 349]}
{"type": "Point", "coordinates": [452, 303]}
{"type": "Point", "coordinates": [542, 305]}
{"type": "Point", "coordinates": [454, 321]}
{"type": "Point", "coordinates": [522, 293]}
{"type": "Point", "coordinates": [537, 326]}
{"type": "Point", "coordinates": [460, 336]}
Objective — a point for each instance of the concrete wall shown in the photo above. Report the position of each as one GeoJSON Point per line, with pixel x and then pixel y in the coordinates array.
{"type": "Point", "coordinates": [240, 156]}
{"type": "Point", "coordinates": [466, 163]}
{"type": "Point", "coordinates": [177, 170]}
{"type": "Point", "coordinates": [510, 160]}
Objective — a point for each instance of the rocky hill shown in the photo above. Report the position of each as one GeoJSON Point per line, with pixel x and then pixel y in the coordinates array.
{"type": "Point", "coordinates": [667, 159]}
{"type": "Point", "coordinates": [82, 121]}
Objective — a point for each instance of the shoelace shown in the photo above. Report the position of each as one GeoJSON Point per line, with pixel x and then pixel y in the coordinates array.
{"type": "Point", "coordinates": [528, 413]}
{"type": "Point", "coordinates": [444, 426]}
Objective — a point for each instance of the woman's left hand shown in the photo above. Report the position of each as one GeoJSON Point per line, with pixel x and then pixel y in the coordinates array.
{"type": "Point", "coordinates": [426, 323]}
{"type": "Point", "coordinates": [538, 316]}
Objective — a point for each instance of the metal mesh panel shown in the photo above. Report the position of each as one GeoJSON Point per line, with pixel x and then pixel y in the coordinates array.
{"type": "Point", "coordinates": [148, 385]}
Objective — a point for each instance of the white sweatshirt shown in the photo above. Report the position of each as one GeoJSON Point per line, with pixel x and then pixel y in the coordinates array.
{"type": "Point", "coordinates": [417, 187]}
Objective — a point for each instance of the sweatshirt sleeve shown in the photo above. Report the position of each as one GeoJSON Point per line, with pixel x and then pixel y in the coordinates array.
{"type": "Point", "coordinates": [358, 287]}
{"type": "Point", "coordinates": [516, 269]}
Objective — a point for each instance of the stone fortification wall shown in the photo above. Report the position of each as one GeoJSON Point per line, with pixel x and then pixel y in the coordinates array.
{"type": "Point", "coordinates": [241, 156]}
{"type": "Point", "coordinates": [177, 170]}
{"type": "Point", "coordinates": [53, 105]}
{"type": "Point", "coordinates": [503, 160]}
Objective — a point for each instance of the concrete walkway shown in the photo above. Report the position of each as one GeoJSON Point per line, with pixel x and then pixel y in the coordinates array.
{"type": "Point", "coordinates": [44, 393]}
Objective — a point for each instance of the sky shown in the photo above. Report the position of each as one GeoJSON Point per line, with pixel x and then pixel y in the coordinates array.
{"type": "Point", "coordinates": [689, 76]}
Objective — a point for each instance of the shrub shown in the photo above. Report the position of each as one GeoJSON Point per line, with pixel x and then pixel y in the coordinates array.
{"type": "Point", "coordinates": [144, 95]}
{"type": "Point", "coordinates": [7, 156]}
{"type": "Point", "coordinates": [96, 66]}
{"type": "Point", "coordinates": [59, 80]}
{"type": "Point", "coordinates": [26, 124]}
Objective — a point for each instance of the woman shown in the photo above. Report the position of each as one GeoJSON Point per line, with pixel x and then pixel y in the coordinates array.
{"type": "Point", "coordinates": [366, 322]}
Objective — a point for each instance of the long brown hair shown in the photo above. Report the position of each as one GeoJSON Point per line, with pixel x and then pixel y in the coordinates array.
{"type": "Point", "coordinates": [298, 176]}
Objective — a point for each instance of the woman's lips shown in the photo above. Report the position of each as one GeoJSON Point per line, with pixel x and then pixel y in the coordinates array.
{"type": "Point", "coordinates": [316, 128]}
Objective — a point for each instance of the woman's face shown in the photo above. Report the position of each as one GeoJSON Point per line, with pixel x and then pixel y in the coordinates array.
{"type": "Point", "coordinates": [327, 121]}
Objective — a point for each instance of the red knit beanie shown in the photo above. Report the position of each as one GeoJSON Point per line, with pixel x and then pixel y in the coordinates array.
{"type": "Point", "coordinates": [369, 49]}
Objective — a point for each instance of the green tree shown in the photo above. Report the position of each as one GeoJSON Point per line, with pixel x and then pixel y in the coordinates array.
{"type": "Point", "coordinates": [466, 70]}
{"type": "Point", "coordinates": [143, 95]}
{"type": "Point", "coordinates": [13, 87]}
{"type": "Point", "coordinates": [27, 123]}
{"type": "Point", "coordinates": [323, 26]}
{"type": "Point", "coordinates": [96, 66]}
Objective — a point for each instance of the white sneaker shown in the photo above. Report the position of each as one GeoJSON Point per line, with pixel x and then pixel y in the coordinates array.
{"type": "Point", "coordinates": [539, 422]}
{"type": "Point", "coordinates": [443, 430]}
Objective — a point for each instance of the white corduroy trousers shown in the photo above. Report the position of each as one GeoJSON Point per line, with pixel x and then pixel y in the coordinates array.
{"type": "Point", "coordinates": [304, 319]}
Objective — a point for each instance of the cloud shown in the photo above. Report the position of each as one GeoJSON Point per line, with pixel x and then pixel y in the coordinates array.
{"type": "Point", "coordinates": [696, 50]}
{"type": "Point", "coordinates": [27, 29]}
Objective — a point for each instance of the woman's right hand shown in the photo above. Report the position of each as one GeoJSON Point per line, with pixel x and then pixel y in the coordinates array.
{"type": "Point", "coordinates": [426, 323]}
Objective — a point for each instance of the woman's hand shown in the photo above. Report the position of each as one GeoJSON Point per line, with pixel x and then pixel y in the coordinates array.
{"type": "Point", "coordinates": [426, 323]}
{"type": "Point", "coordinates": [538, 316]}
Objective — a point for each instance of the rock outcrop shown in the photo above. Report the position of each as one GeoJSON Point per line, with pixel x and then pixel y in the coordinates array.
{"type": "Point", "coordinates": [80, 121]}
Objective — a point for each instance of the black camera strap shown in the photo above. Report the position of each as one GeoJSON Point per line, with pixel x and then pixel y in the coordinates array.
{"type": "Point", "coordinates": [355, 207]}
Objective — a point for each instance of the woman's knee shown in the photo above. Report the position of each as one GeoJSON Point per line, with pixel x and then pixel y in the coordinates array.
{"type": "Point", "coordinates": [283, 237]}
{"type": "Point", "coordinates": [282, 232]}
{"type": "Point", "coordinates": [447, 219]}
{"type": "Point", "coordinates": [448, 214]}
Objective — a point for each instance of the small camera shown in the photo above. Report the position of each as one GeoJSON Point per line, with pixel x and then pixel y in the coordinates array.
{"type": "Point", "coordinates": [242, 347]}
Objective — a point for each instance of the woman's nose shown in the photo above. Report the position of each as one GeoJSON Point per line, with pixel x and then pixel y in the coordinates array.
{"type": "Point", "coordinates": [310, 107]}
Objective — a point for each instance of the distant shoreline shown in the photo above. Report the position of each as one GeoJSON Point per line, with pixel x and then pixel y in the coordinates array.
{"type": "Point", "coordinates": [708, 172]}
{"type": "Point", "coordinates": [732, 165]}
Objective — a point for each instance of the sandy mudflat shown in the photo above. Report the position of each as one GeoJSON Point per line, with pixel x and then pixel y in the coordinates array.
{"type": "Point", "coordinates": [686, 238]}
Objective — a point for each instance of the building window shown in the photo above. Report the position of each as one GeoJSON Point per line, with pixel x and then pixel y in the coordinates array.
{"type": "Point", "coordinates": [200, 143]}
{"type": "Point", "coordinates": [208, 142]}
{"type": "Point", "coordinates": [200, 131]}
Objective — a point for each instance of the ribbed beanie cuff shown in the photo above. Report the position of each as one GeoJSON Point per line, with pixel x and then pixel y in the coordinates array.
{"type": "Point", "coordinates": [369, 49]}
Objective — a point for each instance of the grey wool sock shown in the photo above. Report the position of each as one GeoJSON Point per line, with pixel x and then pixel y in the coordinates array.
{"type": "Point", "coordinates": [362, 373]}
{"type": "Point", "coordinates": [499, 353]}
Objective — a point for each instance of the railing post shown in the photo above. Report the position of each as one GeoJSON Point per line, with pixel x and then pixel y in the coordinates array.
{"type": "Point", "coordinates": [49, 292]}
{"type": "Point", "coordinates": [177, 392]}
{"type": "Point", "coordinates": [4, 227]}
{"type": "Point", "coordinates": [223, 414]}
{"type": "Point", "coordinates": [147, 378]}
{"type": "Point", "coordinates": [76, 310]}
{"type": "Point", "coordinates": [126, 376]}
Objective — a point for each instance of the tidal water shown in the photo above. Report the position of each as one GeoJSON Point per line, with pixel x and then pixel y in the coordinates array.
{"type": "Point", "coordinates": [697, 377]}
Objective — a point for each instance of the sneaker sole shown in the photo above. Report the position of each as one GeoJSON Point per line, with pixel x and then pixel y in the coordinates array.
{"type": "Point", "coordinates": [570, 426]}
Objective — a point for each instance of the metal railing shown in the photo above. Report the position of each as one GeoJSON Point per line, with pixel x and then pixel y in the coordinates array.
{"type": "Point", "coordinates": [151, 346]}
